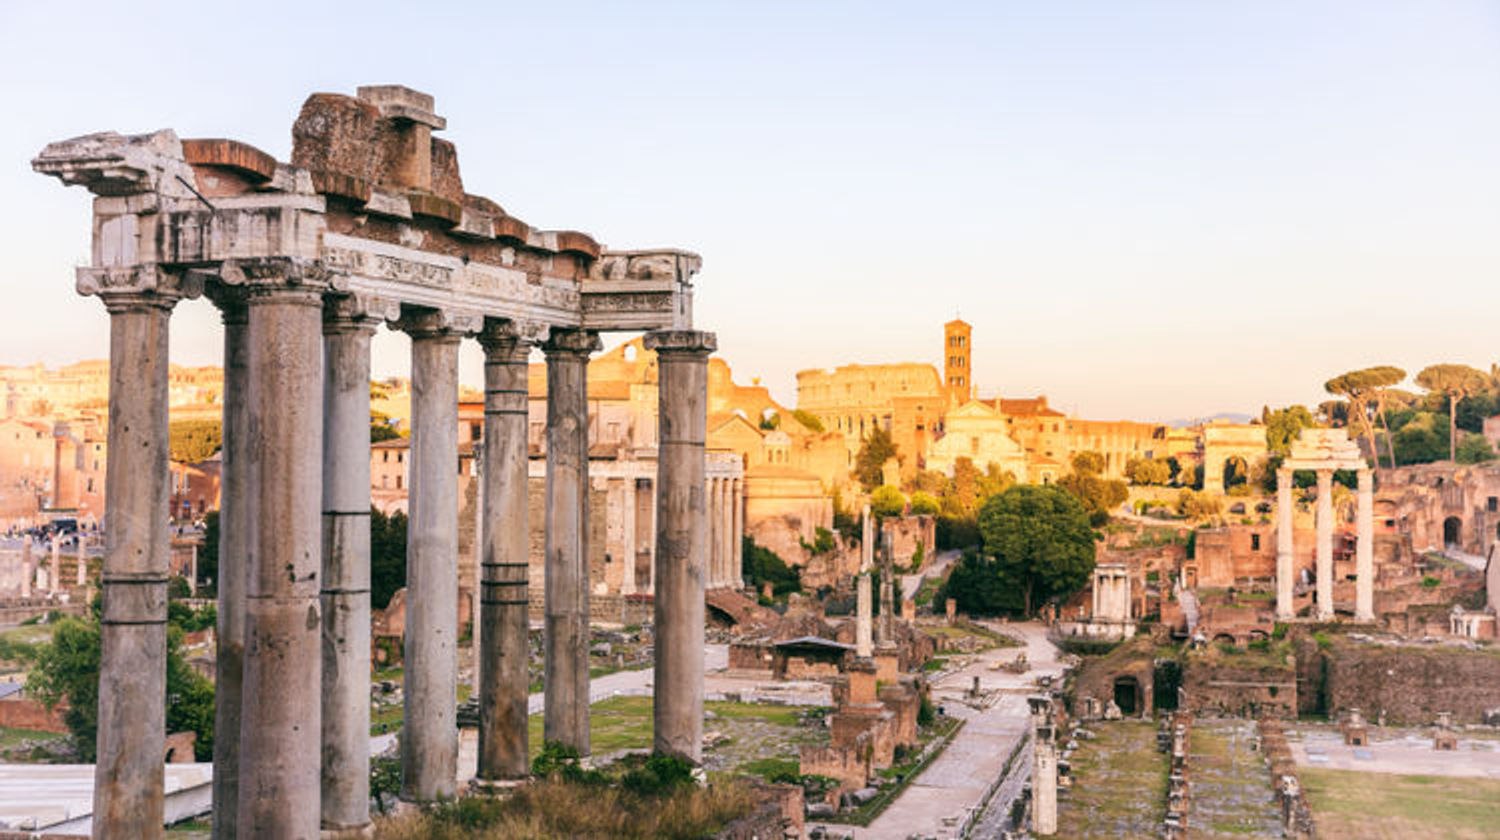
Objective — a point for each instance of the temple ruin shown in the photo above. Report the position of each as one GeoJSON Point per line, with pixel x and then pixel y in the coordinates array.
{"type": "Point", "coordinates": [369, 223]}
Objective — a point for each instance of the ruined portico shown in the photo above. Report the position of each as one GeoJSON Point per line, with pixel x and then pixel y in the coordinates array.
{"type": "Point", "coordinates": [1324, 452]}
{"type": "Point", "coordinates": [368, 224]}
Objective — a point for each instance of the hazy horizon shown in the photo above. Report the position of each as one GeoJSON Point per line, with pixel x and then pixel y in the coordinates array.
{"type": "Point", "coordinates": [1148, 211]}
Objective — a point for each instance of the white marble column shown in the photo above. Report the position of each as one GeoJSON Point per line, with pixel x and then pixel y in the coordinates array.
{"type": "Point", "coordinates": [281, 710]}
{"type": "Point", "coordinates": [1364, 558]}
{"type": "Point", "coordinates": [628, 538]}
{"type": "Point", "coordinates": [54, 577]}
{"type": "Point", "coordinates": [236, 531]}
{"type": "Point", "coordinates": [682, 528]}
{"type": "Point", "coordinates": [1325, 545]}
{"type": "Point", "coordinates": [503, 604]}
{"type": "Point", "coordinates": [737, 537]}
{"type": "Point", "coordinates": [1285, 558]}
{"type": "Point", "coordinates": [128, 782]}
{"type": "Point", "coordinates": [566, 687]}
{"type": "Point", "coordinates": [348, 326]}
{"type": "Point", "coordinates": [28, 567]}
{"type": "Point", "coordinates": [429, 735]}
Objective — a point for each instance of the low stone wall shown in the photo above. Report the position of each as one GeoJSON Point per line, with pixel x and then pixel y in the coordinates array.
{"type": "Point", "coordinates": [778, 815]}
{"type": "Point", "coordinates": [31, 714]}
{"type": "Point", "coordinates": [1246, 690]}
{"type": "Point", "coordinates": [1411, 684]}
{"type": "Point", "coordinates": [1296, 816]}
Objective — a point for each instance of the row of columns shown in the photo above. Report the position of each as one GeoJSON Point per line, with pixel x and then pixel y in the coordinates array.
{"type": "Point", "coordinates": [1364, 558]}
{"type": "Point", "coordinates": [292, 716]}
{"type": "Point", "coordinates": [725, 559]}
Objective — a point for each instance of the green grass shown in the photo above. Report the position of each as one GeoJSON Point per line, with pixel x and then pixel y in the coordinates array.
{"type": "Point", "coordinates": [1384, 806]}
{"type": "Point", "coordinates": [1119, 785]}
{"type": "Point", "coordinates": [10, 738]}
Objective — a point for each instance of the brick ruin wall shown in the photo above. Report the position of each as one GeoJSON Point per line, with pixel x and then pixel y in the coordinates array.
{"type": "Point", "coordinates": [1411, 684]}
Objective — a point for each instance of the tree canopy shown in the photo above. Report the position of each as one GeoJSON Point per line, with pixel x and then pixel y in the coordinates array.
{"type": "Point", "coordinates": [1099, 495]}
{"type": "Point", "coordinates": [887, 501]}
{"type": "Point", "coordinates": [193, 441]}
{"type": "Point", "coordinates": [924, 504]}
{"type": "Point", "coordinates": [869, 464]}
{"type": "Point", "coordinates": [1456, 381]}
{"type": "Point", "coordinates": [387, 556]}
{"type": "Point", "coordinates": [1041, 541]}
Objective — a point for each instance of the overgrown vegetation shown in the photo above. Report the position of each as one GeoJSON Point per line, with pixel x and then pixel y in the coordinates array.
{"type": "Point", "coordinates": [387, 556]}
{"type": "Point", "coordinates": [762, 566]}
{"type": "Point", "coordinates": [192, 441]}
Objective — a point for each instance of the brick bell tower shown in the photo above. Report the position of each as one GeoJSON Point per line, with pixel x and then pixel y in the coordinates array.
{"type": "Point", "coordinates": [958, 354]}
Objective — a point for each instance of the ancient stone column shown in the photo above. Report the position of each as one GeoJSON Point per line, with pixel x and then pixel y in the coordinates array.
{"type": "Point", "coordinates": [737, 537]}
{"type": "Point", "coordinates": [1044, 787]}
{"type": "Point", "coordinates": [1325, 545]}
{"type": "Point", "coordinates": [682, 537]}
{"type": "Point", "coordinates": [281, 709]}
{"type": "Point", "coordinates": [1364, 558]}
{"type": "Point", "coordinates": [28, 568]}
{"type": "Point", "coordinates": [54, 577]}
{"type": "Point", "coordinates": [566, 688]}
{"type": "Point", "coordinates": [1285, 559]}
{"type": "Point", "coordinates": [429, 735]}
{"type": "Point", "coordinates": [711, 570]}
{"type": "Point", "coordinates": [863, 646]}
{"type": "Point", "coordinates": [81, 570]}
{"type": "Point", "coordinates": [236, 515]}
{"type": "Point", "coordinates": [628, 538]}
{"type": "Point", "coordinates": [128, 776]}
{"type": "Point", "coordinates": [866, 541]}
{"type": "Point", "coordinates": [887, 586]}
{"type": "Point", "coordinates": [348, 324]}
{"type": "Point", "coordinates": [503, 587]}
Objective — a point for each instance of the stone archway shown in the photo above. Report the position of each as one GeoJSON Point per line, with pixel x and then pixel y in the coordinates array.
{"type": "Point", "coordinates": [1236, 470]}
{"type": "Point", "coordinates": [1128, 695]}
{"type": "Point", "coordinates": [1453, 532]}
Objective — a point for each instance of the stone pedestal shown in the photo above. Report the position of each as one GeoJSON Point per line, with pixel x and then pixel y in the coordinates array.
{"type": "Point", "coordinates": [1325, 545]}
{"type": "Point", "coordinates": [347, 329]}
{"type": "Point", "coordinates": [682, 537]}
{"type": "Point", "coordinates": [1284, 550]}
{"type": "Point", "coordinates": [566, 715]}
{"type": "Point", "coordinates": [429, 736]}
{"type": "Point", "coordinates": [503, 642]}
{"type": "Point", "coordinates": [280, 716]}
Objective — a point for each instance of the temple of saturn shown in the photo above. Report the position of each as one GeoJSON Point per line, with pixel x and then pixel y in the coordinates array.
{"type": "Point", "coordinates": [1323, 452]}
{"type": "Point", "coordinates": [368, 224]}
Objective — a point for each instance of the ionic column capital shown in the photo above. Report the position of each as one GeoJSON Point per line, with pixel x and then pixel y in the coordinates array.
{"type": "Point", "coordinates": [683, 342]}
{"type": "Point", "coordinates": [265, 275]}
{"type": "Point", "coordinates": [564, 343]}
{"type": "Point", "coordinates": [439, 324]}
{"type": "Point", "coordinates": [135, 287]}
{"type": "Point", "coordinates": [357, 313]}
{"type": "Point", "coordinates": [510, 341]}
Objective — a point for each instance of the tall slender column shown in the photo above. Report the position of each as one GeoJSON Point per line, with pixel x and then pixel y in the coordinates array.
{"type": "Point", "coordinates": [1364, 558]}
{"type": "Point", "coordinates": [1325, 544]}
{"type": "Point", "coordinates": [711, 562]}
{"type": "Point", "coordinates": [863, 646]}
{"type": "Point", "coordinates": [737, 537]}
{"type": "Point", "coordinates": [54, 576]}
{"type": "Point", "coordinates": [281, 710]}
{"type": "Point", "coordinates": [429, 736]}
{"type": "Point", "coordinates": [887, 586]}
{"type": "Point", "coordinates": [566, 687]}
{"type": "Point", "coordinates": [28, 567]}
{"type": "Point", "coordinates": [1285, 565]}
{"type": "Point", "coordinates": [682, 536]}
{"type": "Point", "coordinates": [716, 533]}
{"type": "Point", "coordinates": [236, 513]}
{"type": "Point", "coordinates": [133, 623]}
{"type": "Point", "coordinates": [628, 538]}
{"type": "Point", "coordinates": [503, 641]}
{"type": "Point", "coordinates": [81, 570]}
{"type": "Point", "coordinates": [347, 328]}
{"type": "Point", "coordinates": [726, 531]}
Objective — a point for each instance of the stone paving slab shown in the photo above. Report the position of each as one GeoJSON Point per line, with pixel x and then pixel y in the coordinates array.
{"type": "Point", "coordinates": [1405, 753]}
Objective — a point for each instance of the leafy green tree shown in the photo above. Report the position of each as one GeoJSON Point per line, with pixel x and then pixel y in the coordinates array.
{"type": "Point", "coordinates": [1421, 439]}
{"type": "Point", "coordinates": [1195, 504]}
{"type": "Point", "coordinates": [1284, 425]}
{"type": "Point", "coordinates": [193, 441]}
{"type": "Point", "coordinates": [869, 464]}
{"type": "Point", "coordinates": [771, 422]}
{"type": "Point", "coordinates": [1456, 382]}
{"type": "Point", "coordinates": [208, 553]}
{"type": "Point", "coordinates": [1382, 381]}
{"type": "Point", "coordinates": [808, 420]}
{"type": "Point", "coordinates": [1474, 450]}
{"type": "Point", "coordinates": [762, 565]}
{"type": "Point", "coordinates": [887, 501]}
{"type": "Point", "coordinates": [1041, 539]}
{"type": "Point", "coordinates": [387, 556]}
{"type": "Point", "coordinates": [924, 504]}
{"type": "Point", "coordinates": [1098, 495]}
{"type": "Point", "coordinates": [982, 586]}
{"type": "Point", "coordinates": [1088, 463]}
{"type": "Point", "coordinates": [1148, 471]}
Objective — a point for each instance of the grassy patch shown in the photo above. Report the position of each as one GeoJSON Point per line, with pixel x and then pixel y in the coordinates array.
{"type": "Point", "coordinates": [1232, 793]}
{"type": "Point", "coordinates": [10, 738]}
{"type": "Point", "coordinates": [1383, 806]}
{"type": "Point", "coordinates": [1119, 785]}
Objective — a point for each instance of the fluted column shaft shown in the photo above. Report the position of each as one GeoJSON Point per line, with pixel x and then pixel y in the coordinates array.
{"type": "Point", "coordinates": [236, 515]}
{"type": "Point", "coordinates": [736, 537]}
{"type": "Point", "coordinates": [682, 540]}
{"type": "Point", "coordinates": [1285, 556]}
{"type": "Point", "coordinates": [628, 538]}
{"type": "Point", "coordinates": [566, 688]}
{"type": "Point", "coordinates": [281, 709]}
{"type": "Point", "coordinates": [1325, 544]}
{"type": "Point", "coordinates": [429, 737]}
{"type": "Point", "coordinates": [1364, 558]}
{"type": "Point", "coordinates": [504, 581]}
{"type": "Point", "coordinates": [346, 570]}
{"type": "Point", "coordinates": [133, 660]}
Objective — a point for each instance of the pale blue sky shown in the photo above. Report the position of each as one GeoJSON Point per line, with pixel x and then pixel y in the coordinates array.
{"type": "Point", "coordinates": [1147, 210]}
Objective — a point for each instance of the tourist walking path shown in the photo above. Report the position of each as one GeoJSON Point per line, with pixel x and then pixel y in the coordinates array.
{"type": "Point", "coordinates": [936, 804]}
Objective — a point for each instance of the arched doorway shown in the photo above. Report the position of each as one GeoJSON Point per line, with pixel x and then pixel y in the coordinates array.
{"type": "Point", "coordinates": [1452, 531]}
{"type": "Point", "coordinates": [1236, 471]}
{"type": "Point", "coordinates": [1127, 695]}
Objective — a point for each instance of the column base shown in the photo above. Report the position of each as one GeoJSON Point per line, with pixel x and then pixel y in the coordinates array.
{"type": "Point", "coordinates": [1368, 619]}
{"type": "Point", "coordinates": [496, 787]}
